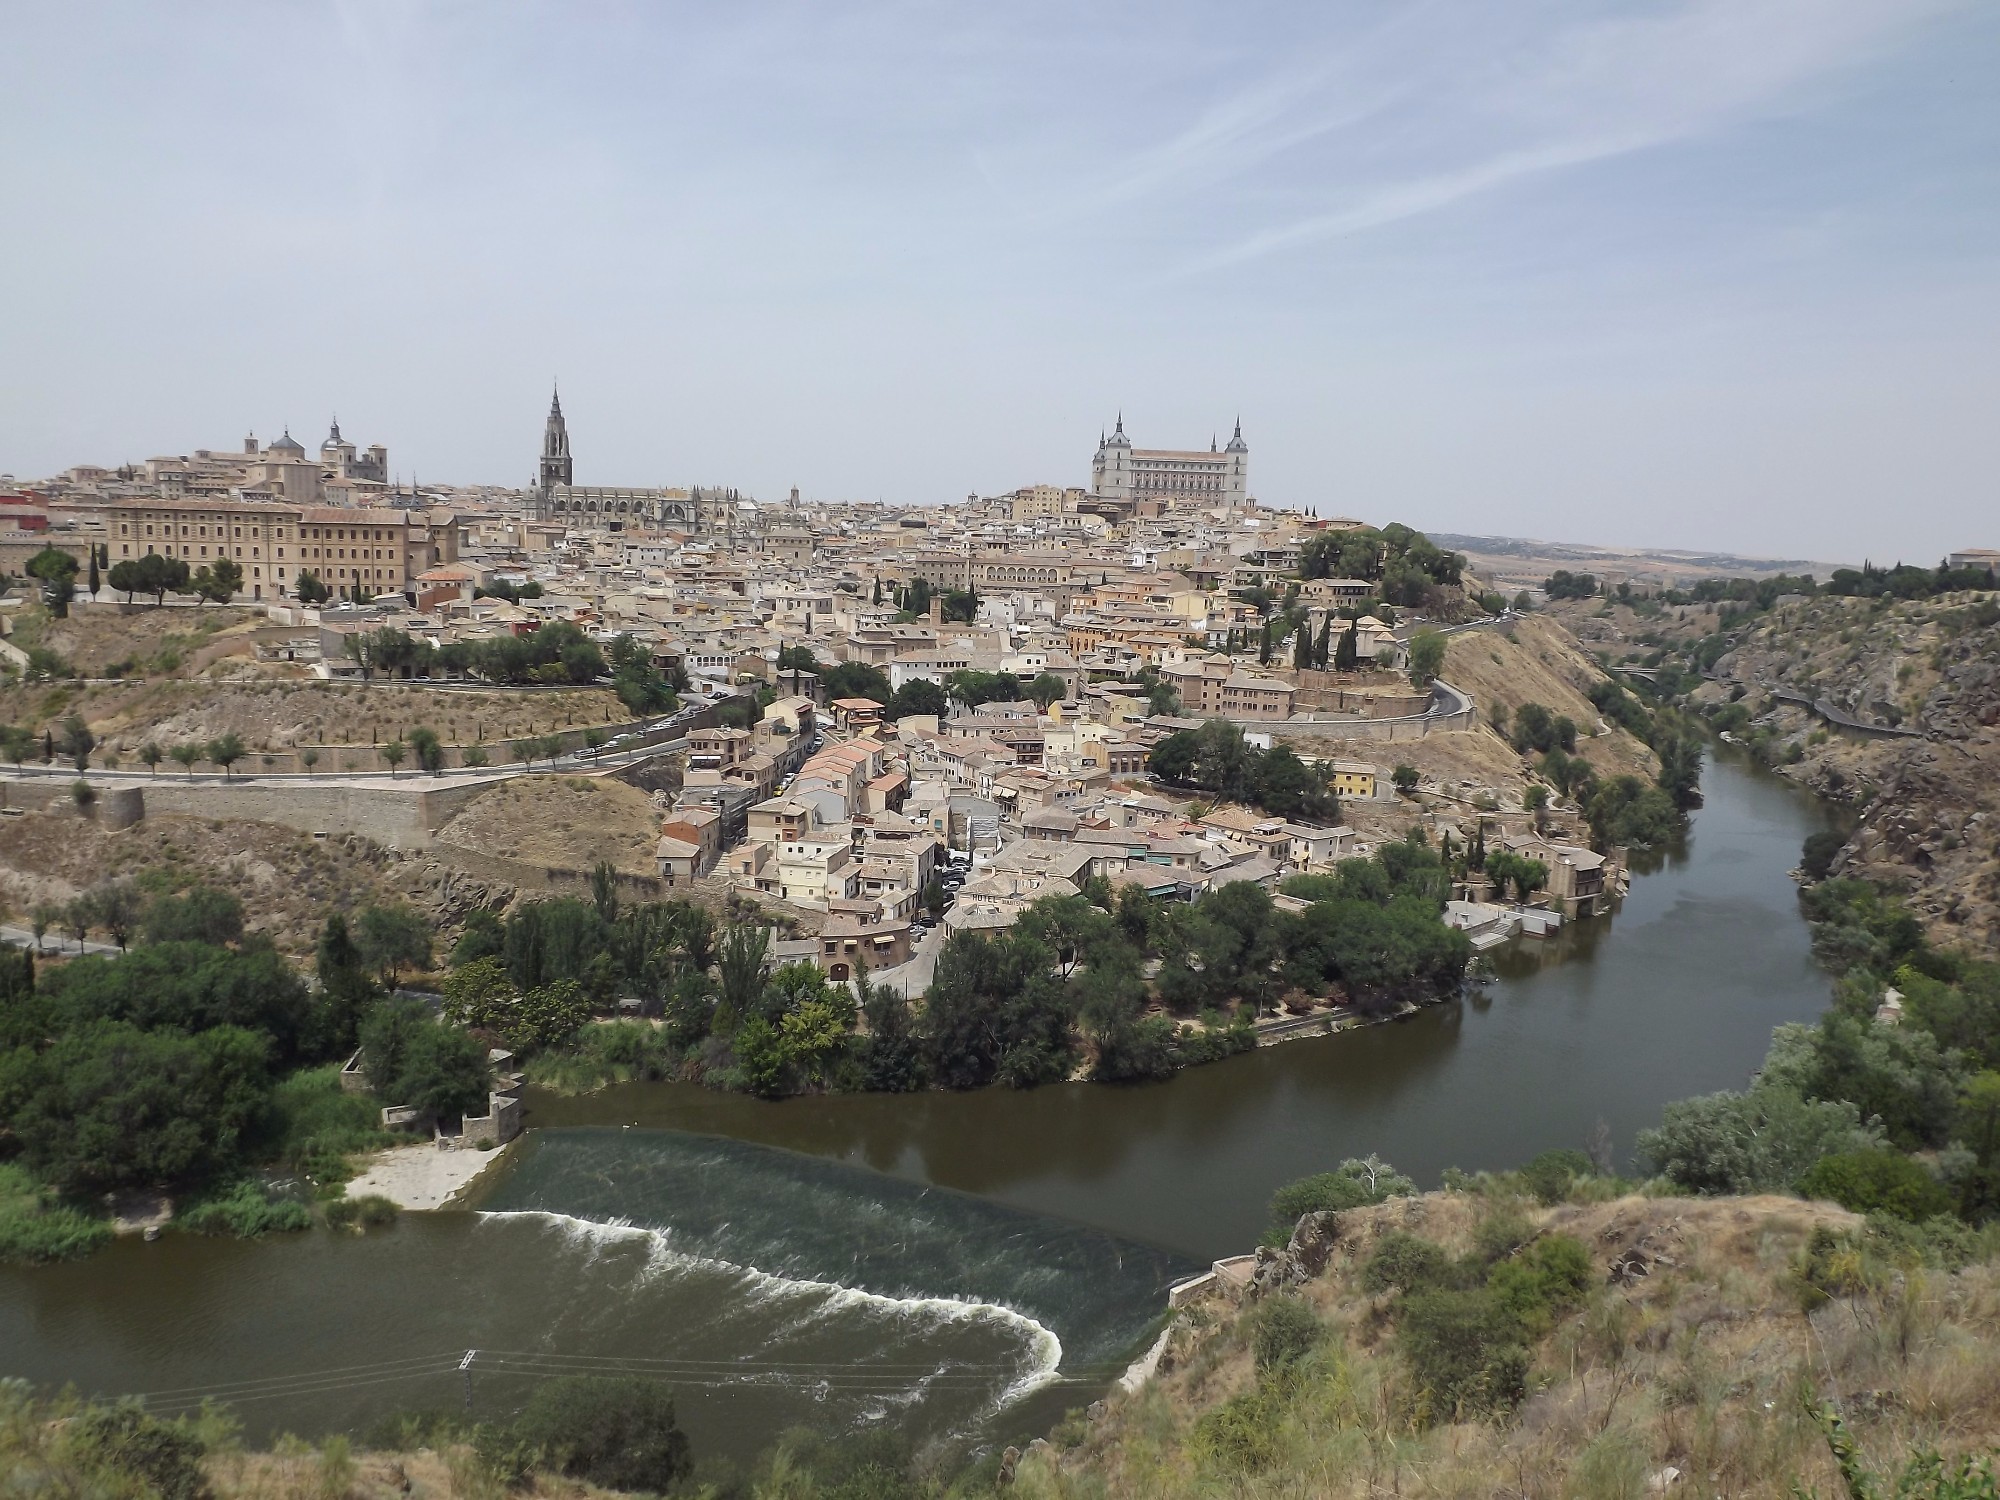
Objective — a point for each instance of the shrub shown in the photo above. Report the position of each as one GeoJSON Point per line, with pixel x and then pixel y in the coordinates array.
{"type": "Point", "coordinates": [1551, 1175]}
{"type": "Point", "coordinates": [318, 1125]}
{"type": "Point", "coordinates": [370, 1211]}
{"type": "Point", "coordinates": [1877, 1180]}
{"type": "Point", "coordinates": [1354, 1184]}
{"type": "Point", "coordinates": [1816, 858]}
{"type": "Point", "coordinates": [1241, 1435]}
{"type": "Point", "coordinates": [155, 1458]}
{"type": "Point", "coordinates": [34, 1228]}
{"type": "Point", "coordinates": [1500, 1234]}
{"type": "Point", "coordinates": [1282, 1332]}
{"type": "Point", "coordinates": [1539, 1283]}
{"type": "Point", "coordinates": [1465, 1353]}
{"type": "Point", "coordinates": [246, 1211]}
{"type": "Point", "coordinates": [614, 1431]}
{"type": "Point", "coordinates": [1406, 1263]}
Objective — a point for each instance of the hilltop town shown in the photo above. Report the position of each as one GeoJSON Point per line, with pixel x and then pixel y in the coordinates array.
{"type": "Point", "coordinates": [877, 724]}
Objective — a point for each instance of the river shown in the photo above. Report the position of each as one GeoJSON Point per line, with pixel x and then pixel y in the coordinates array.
{"type": "Point", "coordinates": [961, 1265]}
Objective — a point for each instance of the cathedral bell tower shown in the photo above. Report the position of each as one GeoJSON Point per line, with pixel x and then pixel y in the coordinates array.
{"type": "Point", "coordinates": [555, 468]}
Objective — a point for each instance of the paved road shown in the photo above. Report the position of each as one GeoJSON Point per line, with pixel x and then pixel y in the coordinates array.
{"type": "Point", "coordinates": [914, 978]}
{"type": "Point", "coordinates": [54, 942]}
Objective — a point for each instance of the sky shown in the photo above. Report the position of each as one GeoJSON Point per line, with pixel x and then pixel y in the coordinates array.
{"type": "Point", "coordinates": [1711, 274]}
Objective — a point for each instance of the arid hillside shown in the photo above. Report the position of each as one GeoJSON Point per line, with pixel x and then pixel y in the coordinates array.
{"type": "Point", "coordinates": [1672, 1347]}
{"type": "Point", "coordinates": [1926, 806]}
{"type": "Point", "coordinates": [344, 721]}
{"type": "Point", "coordinates": [560, 822]}
{"type": "Point", "coordinates": [288, 881]}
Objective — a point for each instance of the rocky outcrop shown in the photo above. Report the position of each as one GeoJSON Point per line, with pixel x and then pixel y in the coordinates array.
{"type": "Point", "coordinates": [1303, 1257]}
{"type": "Point", "coordinates": [1927, 809]}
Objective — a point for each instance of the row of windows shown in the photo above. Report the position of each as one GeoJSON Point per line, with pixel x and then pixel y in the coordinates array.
{"type": "Point", "coordinates": [309, 533]}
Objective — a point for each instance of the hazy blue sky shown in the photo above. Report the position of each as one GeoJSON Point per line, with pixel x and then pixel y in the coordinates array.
{"type": "Point", "coordinates": [1688, 274]}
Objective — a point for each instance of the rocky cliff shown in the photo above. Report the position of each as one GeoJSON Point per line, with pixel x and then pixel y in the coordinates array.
{"type": "Point", "coordinates": [1926, 801]}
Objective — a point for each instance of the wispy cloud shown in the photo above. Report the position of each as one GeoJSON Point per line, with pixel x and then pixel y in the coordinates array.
{"type": "Point", "coordinates": [1541, 102]}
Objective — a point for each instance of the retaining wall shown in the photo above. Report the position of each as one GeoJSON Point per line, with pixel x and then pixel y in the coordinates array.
{"type": "Point", "coordinates": [401, 816]}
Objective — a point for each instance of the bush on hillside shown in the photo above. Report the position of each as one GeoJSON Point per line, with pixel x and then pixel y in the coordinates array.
{"type": "Point", "coordinates": [1877, 1181]}
{"type": "Point", "coordinates": [613, 1431]}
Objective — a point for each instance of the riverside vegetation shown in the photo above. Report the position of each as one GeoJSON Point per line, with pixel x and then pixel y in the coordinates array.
{"type": "Point", "coordinates": [201, 1067]}
{"type": "Point", "coordinates": [1113, 989]}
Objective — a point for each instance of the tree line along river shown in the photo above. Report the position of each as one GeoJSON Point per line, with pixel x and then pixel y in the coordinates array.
{"type": "Point", "coordinates": [956, 1264]}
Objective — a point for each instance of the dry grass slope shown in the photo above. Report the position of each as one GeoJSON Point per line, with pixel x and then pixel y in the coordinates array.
{"type": "Point", "coordinates": [1697, 1365]}
{"type": "Point", "coordinates": [560, 822]}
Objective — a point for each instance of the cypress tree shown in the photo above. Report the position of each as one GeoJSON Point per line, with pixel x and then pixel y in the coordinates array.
{"type": "Point", "coordinates": [1348, 655]}
{"type": "Point", "coordinates": [1325, 641]}
{"type": "Point", "coordinates": [1302, 647]}
{"type": "Point", "coordinates": [1264, 648]}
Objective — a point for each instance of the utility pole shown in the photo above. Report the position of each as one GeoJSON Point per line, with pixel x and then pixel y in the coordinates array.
{"type": "Point", "coordinates": [465, 1369]}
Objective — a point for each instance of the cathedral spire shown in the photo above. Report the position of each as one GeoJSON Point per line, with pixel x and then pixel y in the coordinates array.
{"type": "Point", "coordinates": [555, 466]}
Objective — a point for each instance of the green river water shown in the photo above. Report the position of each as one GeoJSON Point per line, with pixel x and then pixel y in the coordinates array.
{"type": "Point", "coordinates": [963, 1266]}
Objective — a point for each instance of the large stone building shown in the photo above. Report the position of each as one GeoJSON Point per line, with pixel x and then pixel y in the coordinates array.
{"type": "Point", "coordinates": [604, 508]}
{"type": "Point", "coordinates": [1122, 474]}
{"type": "Point", "coordinates": [378, 550]}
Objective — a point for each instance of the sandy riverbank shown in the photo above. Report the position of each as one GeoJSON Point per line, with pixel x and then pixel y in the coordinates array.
{"type": "Point", "coordinates": [421, 1177]}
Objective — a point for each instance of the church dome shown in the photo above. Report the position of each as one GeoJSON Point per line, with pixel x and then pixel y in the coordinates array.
{"type": "Point", "coordinates": [286, 444]}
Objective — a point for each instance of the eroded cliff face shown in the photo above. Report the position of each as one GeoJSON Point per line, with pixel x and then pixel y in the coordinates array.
{"type": "Point", "coordinates": [1927, 805]}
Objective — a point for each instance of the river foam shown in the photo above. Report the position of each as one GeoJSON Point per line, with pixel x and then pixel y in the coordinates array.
{"type": "Point", "coordinates": [1042, 1348]}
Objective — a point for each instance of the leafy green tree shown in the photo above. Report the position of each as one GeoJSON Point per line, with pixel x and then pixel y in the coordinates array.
{"type": "Point", "coordinates": [740, 965]}
{"type": "Point", "coordinates": [549, 1016]}
{"type": "Point", "coordinates": [310, 590]}
{"type": "Point", "coordinates": [150, 756]}
{"type": "Point", "coordinates": [109, 1105]}
{"type": "Point", "coordinates": [126, 578]}
{"type": "Point", "coordinates": [1047, 688]}
{"type": "Point", "coordinates": [202, 914]}
{"type": "Point", "coordinates": [763, 1067]}
{"type": "Point", "coordinates": [1625, 811]}
{"type": "Point", "coordinates": [225, 750]}
{"type": "Point", "coordinates": [56, 571]}
{"type": "Point", "coordinates": [891, 1054]}
{"type": "Point", "coordinates": [392, 938]}
{"type": "Point", "coordinates": [77, 742]}
{"type": "Point", "coordinates": [428, 749]}
{"type": "Point", "coordinates": [392, 754]}
{"type": "Point", "coordinates": [1173, 758]}
{"type": "Point", "coordinates": [480, 993]}
{"type": "Point", "coordinates": [115, 907]}
{"type": "Point", "coordinates": [16, 743]}
{"type": "Point", "coordinates": [186, 755]}
{"type": "Point", "coordinates": [1355, 1183]}
{"type": "Point", "coordinates": [1759, 1141]}
{"type": "Point", "coordinates": [996, 1013]}
{"type": "Point", "coordinates": [1563, 584]}
{"type": "Point", "coordinates": [1426, 657]}
{"type": "Point", "coordinates": [220, 580]}
{"type": "Point", "coordinates": [345, 984]}
{"type": "Point", "coordinates": [856, 679]}
{"type": "Point", "coordinates": [411, 1060]}
{"type": "Point", "coordinates": [1897, 1076]}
